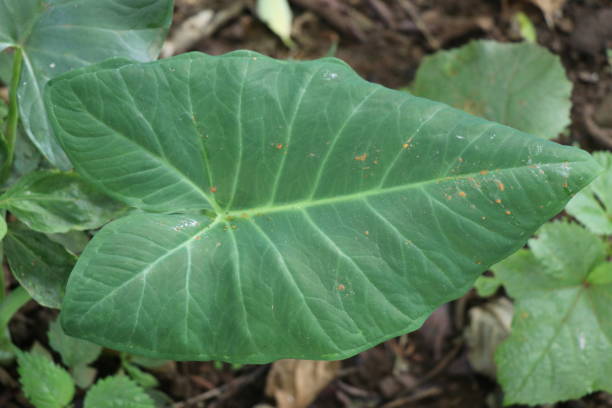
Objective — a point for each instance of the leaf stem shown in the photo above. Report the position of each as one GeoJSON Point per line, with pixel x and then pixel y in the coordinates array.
{"type": "Point", "coordinates": [13, 302]}
{"type": "Point", "coordinates": [13, 115]}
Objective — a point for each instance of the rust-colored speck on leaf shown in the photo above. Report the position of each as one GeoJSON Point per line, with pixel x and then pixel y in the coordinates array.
{"type": "Point", "coordinates": [508, 212]}
{"type": "Point", "coordinates": [361, 157]}
{"type": "Point", "coordinates": [213, 189]}
{"type": "Point", "coordinates": [279, 146]}
{"type": "Point", "coordinates": [462, 194]}
{"type": "Point", "coordinates": [498, 201]}
{"type": "Point", "coordinates": [484, 172]}
{"type": "Point", "coordinates": [341, 287]}
{"type": "Point", "coordinates": [366, 232]}
{"type": "Point", "coordinates": [500, 185]}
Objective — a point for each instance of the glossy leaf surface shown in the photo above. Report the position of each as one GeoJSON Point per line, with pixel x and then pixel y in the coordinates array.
{"type": "Point", "coordinates": [323, 214]}
{"type": "Point", "coordinates": [40, 265]}
{"type": "Point", "coordinates": [561, 337]}
{"type": "Point", "coordinates": [58, 36]}
{"type": "Point", "coordinates": [520, 85]}
{"type": "Point", "coordinates": [593, 205]}
{"type": "Point", "coordinates": [57, 202]}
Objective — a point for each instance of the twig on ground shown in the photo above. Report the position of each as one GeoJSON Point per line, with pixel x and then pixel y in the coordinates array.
{"type": "Point", "coordinates": [416, 18]}
{"type": "Point", "coordinates": [602, 135]}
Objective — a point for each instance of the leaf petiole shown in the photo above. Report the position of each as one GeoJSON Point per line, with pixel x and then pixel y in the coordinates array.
{"type": "Point", "coordinates": [13, 115]}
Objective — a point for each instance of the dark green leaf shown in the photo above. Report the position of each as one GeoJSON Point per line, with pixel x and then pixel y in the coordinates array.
{"type": "Point", "coordinates": [57, 202]}
{"type": "Point", "coordinates": [117, 392]}
{"type": "Point", "coordinates": [58, 36]}
{"type": "Point", "coordinates": [561, 336]}
{"type": "Point", "coordinates": [44, 383]}
{"type": "Point", "coordinates": [341, 213]}
{"type": "Point", "coordinates": [520, 85]}
{"type": "Point", "coordinates": [41, 266]}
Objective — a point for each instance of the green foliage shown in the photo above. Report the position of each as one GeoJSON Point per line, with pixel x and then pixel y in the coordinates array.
{"type": "Point", "coordinates": [593, 205]}
{"type": "Point", "coordinates": [58, 36]}
{"type": "Point", "coordinates": [520, 85]}
{"type": "Point", "coordinates": [526, 27]}
{"type": "Point", "coordinates": [58, 202]}
{"type": "Point", "coordinates": [562, 330]}
{"type": "Point", "coordinates": [322, 214]}
{"type": "Point", "coordinates": [40, 265]}
{"type": "Point", "coordinates": [74, 352]}
{"type": "Point", "coordinates": [117, 392]}
{"type": "Point", "coordinates": [44, 383]}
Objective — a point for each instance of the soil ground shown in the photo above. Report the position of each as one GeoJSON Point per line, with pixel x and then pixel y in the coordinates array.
{"type": "Point", "coordinates": [384, 40]}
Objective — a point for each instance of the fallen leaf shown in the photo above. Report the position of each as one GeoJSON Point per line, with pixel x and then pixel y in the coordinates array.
{"type": "Point", "coordinates": [550, 8]}
{"type": "Point", "coordinates": [296, 383]}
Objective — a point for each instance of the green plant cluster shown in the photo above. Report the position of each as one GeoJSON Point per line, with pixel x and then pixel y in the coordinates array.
{"type": "Point", "coordinates": [246, 209]}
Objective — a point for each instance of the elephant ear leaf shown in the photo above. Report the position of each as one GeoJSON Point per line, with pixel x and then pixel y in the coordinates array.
{"type": "Point", "coordinates": [289, 209]}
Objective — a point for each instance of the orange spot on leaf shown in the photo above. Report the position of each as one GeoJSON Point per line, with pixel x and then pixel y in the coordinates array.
{"type": "Point", "coordinates": [213, 189]}
{"type": "Point", "coordinates": [361, 157]}
{"type": "Point", "coordinates": [462, 194]}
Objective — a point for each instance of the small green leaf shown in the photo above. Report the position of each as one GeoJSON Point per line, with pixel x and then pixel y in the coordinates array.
{"type": "Point", "coordinates": [41, 266]}
{"type": "Point", "coordinates": [561, 336]}
{"type": "Point", "coordinates": [74, 352]}
{"type": "Point", "coordinates": [73, 241]}
{"type": "Point", "coordinates": [593, 205]}
{"type": "Point", "coordinates": [58, 36]}
{"type": "Point", "coordinates": [601, 275]}
{"type": "Point", "coordinates": [526, 27]}
{"type": "Point", "coordinates": [520, 85]}
{"type": "Point", "coordinates": [44, 383]}
{"type": "Point", "coordinates": [57, 202]}
{"type": "Point", "coordinates": [117, 392]}
{"type": "Point", "coordinates": [487, 285]}
{"type": "Point", "coordinates": [277, 15]}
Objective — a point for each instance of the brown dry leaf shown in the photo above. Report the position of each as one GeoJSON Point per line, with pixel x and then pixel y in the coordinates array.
{"type": "Point", "coordinates": [550, 8]}
{"type": "Point", "coordinates": [296, 383]}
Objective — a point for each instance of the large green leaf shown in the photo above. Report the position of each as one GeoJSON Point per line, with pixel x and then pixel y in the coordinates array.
{"type": "Point", "coordinates": [57, 202]}
{"type": "Point", "coordinates": [561, 336]}
{"type": "Point", "coordinates": [41, 266]}
{"type": "Point", "coordinates": [324, 214]}
{"type": "Point", "coordinates": [520, 85]}
{"type": "Point", "coordinates": [58, 36]}
{"type": "Point", "coordinates": [593, 205]}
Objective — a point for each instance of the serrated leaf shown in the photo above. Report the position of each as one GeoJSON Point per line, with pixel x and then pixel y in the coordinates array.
{"type": "Point", "coordinates": [520, 85]}
{"type": "Point", "coordinates": [44, 383]}
{"type": "Point", "coordinates": [41, 266]}
{"type": "Point", "coordinates": [277, 15]}
{"type": "Point", "coordinates": [562, 246]}
{"type": "Point", "coordinates": [338, 213]}
{"type": "Point", "coordinates": [58, 36]}
{"type": "Point", "coordinates": [117, 392]}
{"type": "Point", "coordinates": [561, 332]}
{"type": "Point", "coordinates": [57, 202]}
{"type": "Point", "coordinates": [74, 352]}
{"type": "Point", "coordinates": [593, 205]}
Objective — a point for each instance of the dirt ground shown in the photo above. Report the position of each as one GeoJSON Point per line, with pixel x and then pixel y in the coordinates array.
{"type": "Point", "coordinates": [384, 41]}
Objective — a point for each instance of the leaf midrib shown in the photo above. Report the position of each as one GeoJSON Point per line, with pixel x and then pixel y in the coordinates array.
{"type": "Point", "coordinates": [299, 205]}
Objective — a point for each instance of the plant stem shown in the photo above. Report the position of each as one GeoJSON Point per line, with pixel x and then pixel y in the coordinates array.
{"type": "Point", "coordinates": [13, 302]}
{"type": "Point", "coordinates": [13, 115]}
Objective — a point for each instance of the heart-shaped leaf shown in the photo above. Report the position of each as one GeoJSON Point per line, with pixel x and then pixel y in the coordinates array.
{"type": "Point", "coordinates": [323, 214]}
{"type": "Point", "coordinates": [520, 85]}
{"type": "Point", "coordinates": [58, 36]}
